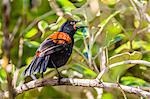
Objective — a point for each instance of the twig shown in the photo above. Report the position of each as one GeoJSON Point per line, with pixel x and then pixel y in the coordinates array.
{"type": "Point", "coordinates": [15, 77]}
{"type": "Point", "coordinates": [144, 30]}
{"type": "Point", "coordinates": [103, 58]}
{"type": "Point", "coordinates": [122, 91]}
{"type": "Point", "coordinates": [138, 13]}
{"type": "Point", "coordinates": [136, 9]}
{"type": "Point", "coordinates": [99, 92]}
{"type": "Point", "coordinates": [77, 82]}
{"type": "Point", "coordinates": [79, 52]}
{"type": "Point", "coordinates": [101, 73]}
{"type": "Point", "coordinates": [103, 25]}
{"type": "Point", "coordinates": [122, 63]}
{"type": "Point", "coordinates": [86, 43]}
{"type": "Point", "coordinates": [146, 63]}
{"type": "Point", "coordinates": [15, 30]}
{"type": "Point", "coordinates": [56, 8]}
{"type": "Point", "coordinates": [95, 66]}
{"type": "Point", "coordinates": [88, 94]}
{"type": "Point", "coordinates": [20, 52]}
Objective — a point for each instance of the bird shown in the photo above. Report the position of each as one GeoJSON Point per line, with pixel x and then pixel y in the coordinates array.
{"type": "Point", "coordinates": [54, 51]}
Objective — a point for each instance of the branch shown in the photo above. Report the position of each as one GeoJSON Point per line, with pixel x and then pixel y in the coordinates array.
{"type": "Point", "coordinates": [53, 4]}
{"type": "Point", "coordinates": [142, 62]}
{"type": "Point", "coordinates": [6, 9]}
{"type": "Point", "coordinates": [146, 63]}
{"type": "Point", "coordinates": [77, 82]}
{"type": "Point", "coordinates": [56, 8]}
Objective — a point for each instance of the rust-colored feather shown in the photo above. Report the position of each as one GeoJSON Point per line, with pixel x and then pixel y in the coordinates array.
{"type": "Point", "coordinates": [60, 38]}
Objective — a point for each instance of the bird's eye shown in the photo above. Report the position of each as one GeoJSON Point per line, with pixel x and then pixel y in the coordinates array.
{"type": "Point", "coordinates": [72, 23]}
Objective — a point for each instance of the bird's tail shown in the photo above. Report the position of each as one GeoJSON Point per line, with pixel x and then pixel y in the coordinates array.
{"type": "Point", "coordinates": [38, 65]}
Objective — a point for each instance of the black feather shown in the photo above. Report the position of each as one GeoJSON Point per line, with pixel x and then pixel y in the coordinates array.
{"type": "Point", "coordinates": [38, 65]}
{"type": "Point", "coordinates": [27, 71]}
{"type": "Point", "coordinates": [50, 50]}
{"type": "Point", "coordinates": [45, 63]}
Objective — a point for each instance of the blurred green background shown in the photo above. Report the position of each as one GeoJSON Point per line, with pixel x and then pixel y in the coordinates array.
{"type": "Point", "coordinates": [119, 28]}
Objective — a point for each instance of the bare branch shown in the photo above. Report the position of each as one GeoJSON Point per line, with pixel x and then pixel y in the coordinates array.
{"type": "Point", "coordinates": [6, 9]}
{"type": "Point", "coordinates": [77, 82]}
{"type": "Point", "coordinates": [146, 63]}
{"type": "Point", "coordinates": [131, 62]}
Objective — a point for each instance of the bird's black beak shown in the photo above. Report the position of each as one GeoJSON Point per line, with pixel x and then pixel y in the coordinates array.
{"type": "Point", "coordinates": [76, 21]}
{"type": "Point", "coordinates": [79, 27]}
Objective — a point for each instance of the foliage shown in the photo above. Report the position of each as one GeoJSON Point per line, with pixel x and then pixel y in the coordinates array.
{"type": "Point", "coordinates": [121, 27]}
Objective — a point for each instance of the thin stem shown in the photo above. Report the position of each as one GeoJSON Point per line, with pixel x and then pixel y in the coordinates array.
{"type": "Point", "coordinates": [146, 63]}
{"type": "Point", "coordinates": [138, 13]}
{"type": "Point", "coordinates": [104, 24]}
{"type": "Point", "coordinates": [88, 45]}
{"type": "Point", "coordinates": [122, 91]}
{"type": "Point", "coordinates": [79, 52]}
{"type": "Point", "coordinates": [15, 30]}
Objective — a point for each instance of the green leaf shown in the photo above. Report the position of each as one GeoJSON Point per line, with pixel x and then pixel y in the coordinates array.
{"type": "Point", "coordinates": [20, 77]}
{"type": "Point", "coordinates": [117, 38]}
{"type": "Point", "coordinates": [83, 70]}
{"type": "Point", "coordinates": [107, 96]}
{"type": "Point", "coordinates": [0, 25]}
{"type": "Point", "coordinates": [90, 10]}
{"type": "Point", "coordinates": [104, 22]}
{"type": "Point", "coordinates": [31, 94]}
{"type": "Point", "coordinates": [114, 73]}
{"type": "Point", "coordinates": [2, 75]}
{"type": "Point", "coordinates": [31, 33]}
{"type": "Point", "coordinates": [136, 45]}
{"type": "Point", "coordinates": [112, 30]}
{"type": "Point", "coordinates": [32, 44]}
{"type": "Point", "coordinates": [66, 5]}
{"type": "Point", "coordinates": [53, 26]}
{"type": "Point", "coordinates": [81, 34]}
{"type": "Point", "coordinates": [133, 81]}
{"type": "Point", "coordinates": [42, 25]}
{"type": "Point", "coordinates": [52, 93]}
{"type": "Point", "coordinates": [110, 2]}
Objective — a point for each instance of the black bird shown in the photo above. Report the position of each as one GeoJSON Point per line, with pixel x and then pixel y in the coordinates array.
{"type": "Point", "coordinates": [55, 51]}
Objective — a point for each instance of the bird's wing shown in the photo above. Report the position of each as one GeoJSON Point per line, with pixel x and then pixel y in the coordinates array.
{"type": "Point", "coordinates": [40, 60]}
{"type": "Point", "coordinates": [48, 47]}
{"type": "Point", "coordinates": [53, 43]}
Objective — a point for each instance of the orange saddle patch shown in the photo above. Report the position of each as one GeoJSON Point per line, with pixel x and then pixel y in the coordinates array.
{"type": "Point", "coordinates": [38, 53]}
{"type": "Point", "coordinates": [60, 37]}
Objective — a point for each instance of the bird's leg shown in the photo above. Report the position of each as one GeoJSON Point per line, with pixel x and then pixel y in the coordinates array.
{"type": "Point", "coordinates": [59, 75]}
{"type": "Point", "coordinates": [42, 75]}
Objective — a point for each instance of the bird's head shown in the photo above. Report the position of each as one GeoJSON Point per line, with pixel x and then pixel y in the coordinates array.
{"type": "Point", "coordinates": [70, 27]}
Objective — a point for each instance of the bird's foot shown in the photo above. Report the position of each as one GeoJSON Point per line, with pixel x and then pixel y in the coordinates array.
{"type": "Point", "coordinates": [42, 75]}
{"type": "Point", "coordinates": [59, 79]}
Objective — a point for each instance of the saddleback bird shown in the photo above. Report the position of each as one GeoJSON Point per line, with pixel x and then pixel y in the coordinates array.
{"type": "Point", "coordinates": [55, 51]}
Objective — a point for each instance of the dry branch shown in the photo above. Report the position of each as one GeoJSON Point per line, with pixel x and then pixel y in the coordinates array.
{"type": "Point", "coordinates": [78, 82]}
